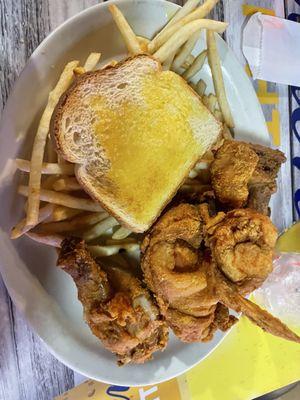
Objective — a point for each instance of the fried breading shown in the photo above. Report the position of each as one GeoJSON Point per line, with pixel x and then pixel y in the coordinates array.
{"type": "Point", "coordinates": [230, 297]}
{"type": "Point", "coordinates": [269, 163]}
{"type": "Point", "coordinates": [118, 310]}
{"type": "Point", "coordinates": [192, 290]}
{"type": "Point", "coordinates": [263, 181]}
{"type": "Point", "coordinates": [231, 170]}
{"type": "Point", "coordinates": [242, 243]}
{"type": "Point", "coordinates": [175, 271]}
{"type": "Point", "coordinates": [244, 174]}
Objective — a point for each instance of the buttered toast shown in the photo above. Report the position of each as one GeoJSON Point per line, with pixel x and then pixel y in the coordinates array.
{"type": "Point", "coordinates": [134, 132]}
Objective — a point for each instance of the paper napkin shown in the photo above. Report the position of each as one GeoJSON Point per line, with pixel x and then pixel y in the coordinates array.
{"type": "Point", "coordinates": [271, 46]}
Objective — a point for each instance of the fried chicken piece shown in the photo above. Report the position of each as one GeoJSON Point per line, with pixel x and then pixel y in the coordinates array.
{"type": "Point", "coordinates": [171, 264]}
{"type": "Point", "coordinates": [196, 303]}
{"type": "Point", "coordinates": [269, 163]}
{"type": "Point", "coordinates": [118, 310]}
{"type": "Point", "coordinates": [231, 170]}
{"type": "Point", "coordinates": [175, 271]}
{"type": "Point", "coordinates": [223, 320]}
{"type": "Point", "coordinates": [242, 243]}
{"type": "Point", "coordinates": [260, 196]}
{"type": "Point", "coordinates": [230, 297]}
{"type": "Point", "coordinates": [244, 174]}
{"type": "Point", "coordinates": [263, 181]}
{"type": "Point", "coordinates": [197, 317]}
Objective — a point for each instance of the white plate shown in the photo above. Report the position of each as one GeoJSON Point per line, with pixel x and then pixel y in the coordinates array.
{"type": "Point", "coordinates": [45, 294]}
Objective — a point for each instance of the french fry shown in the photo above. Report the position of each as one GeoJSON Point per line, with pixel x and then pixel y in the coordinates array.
{"type": "Point", "coordinates": [168, 63]}
{"type": "Point", "coordinates": [218, 115]}
{"type": "Point", "coordinates": [201, 87]}
{"type": "Point", "coordinates": [196, 66]}
{"type": "Point", "coordinates": [193, 173]}
{"type": "Point", "coordinates": [61, 160]}
{"type": "Point", "coordinates": [210, 102]}
{"type": "Point", "coordinates": [183, 34]}
{"type": "Point", "coordinates": [227, 133]}
{"type": "Point", "coordinates": [63, 199]}
{"type": "Point", "coordinates": [79, 71]}
{"type": "Point", "coordinates": [128, 240]}
{"type": "Point", "coordinates": [49, 181]}
{"type": "Point", "coordinates": [201, 165]}
{"type": "Point", "coordinates": [109, 250]}
{"type": "Point", "coordinates": [129, 36]}
{"type": "Point", "coordinates": [99, 228]}
{"type": "Point", "coordinates": [92, 61]}
{"type": "Point", "coordinates": [68, 184]}
{"type": "Point", "coordinates": [185, 51]}
{"type": "Point", "coordinates": [61, 213]}
{"type": "Point", "coordinates": [188, 62]}
{"type": "Point", "coordinates": [219, 142]}
{"type": "Point", "coordinates": [53, 240]}
{"type": "Point", "coordinates": [111, 63]}
{"type": "Point", "coordinates": [216, 70]}
{"type": "Point", "coordinates": [22, 228]}
{"type": "Point", "coordinates": [143, 43]}
{"type": "Point", "coordinates": [77, 223]}
{"type": "Point", "coordinates": [207, 157]}
{"type": "Point", "coordinates": [192, 85]}
{"type": "Point", "coordinates": [121, 233]}
{"type": "Point", "coordinates": [188, 7]}
{"type": "Point", "coordinates": [196, 188]}
{"type": "Point", "coordinates": [198, 14]}
{"type": "Point", "coordinates": [50, 152]}
{"type": "Point", "coordinates": [38, 148]}
{"type": "Point", "coordinates": [47, 168]}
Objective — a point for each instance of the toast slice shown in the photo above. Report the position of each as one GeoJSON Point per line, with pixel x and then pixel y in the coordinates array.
{"type": "Point", "coordinates": [134, 132]}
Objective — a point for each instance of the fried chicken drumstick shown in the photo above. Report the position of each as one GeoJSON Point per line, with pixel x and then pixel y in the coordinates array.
{"type": "Point", "coordinates": [118, 310]}
{"type": "Point", "coordinates": [188, 279]}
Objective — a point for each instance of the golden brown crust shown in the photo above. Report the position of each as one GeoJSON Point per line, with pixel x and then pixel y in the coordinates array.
{"type": "Point", "coordinates": [242, 243]}
{"type": "Point", "coordinates": [176, 271]}
{"type": "Point", "coordinates": [244, 174]}
{"type": "Point", "coordinates": [112, 300]}
{"type": "Point", "coordinates": [231, 171]}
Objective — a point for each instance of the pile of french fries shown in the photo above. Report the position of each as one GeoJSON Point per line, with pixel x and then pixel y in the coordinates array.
{"type": "Point", "coordinates": [57, 205]}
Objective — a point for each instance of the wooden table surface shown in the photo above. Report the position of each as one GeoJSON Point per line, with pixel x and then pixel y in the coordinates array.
{"type": "Point", "coordinates": [27, 370]}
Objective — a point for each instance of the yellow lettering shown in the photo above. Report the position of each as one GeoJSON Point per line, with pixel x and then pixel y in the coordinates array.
{"type": "Point", "coordinates": [274, 127]}
{"type": "Point", "coordinates": [145, 393]}
{"type": "Point", "coordinates": [248, 10]}
{"type": "Point", "coordinates": [264, 96]}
